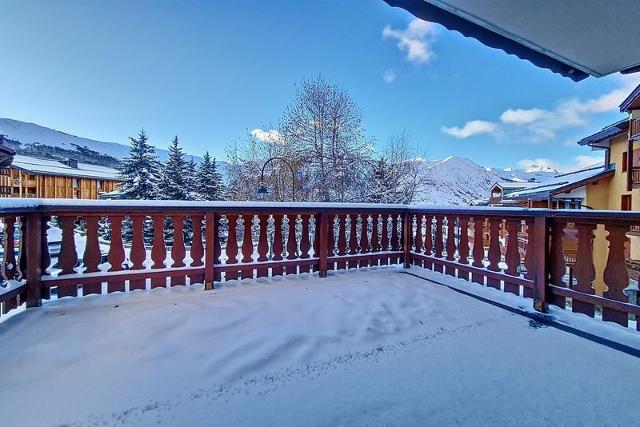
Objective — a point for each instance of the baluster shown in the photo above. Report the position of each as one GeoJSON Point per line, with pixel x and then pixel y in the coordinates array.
{"type": "Point", "coordinates": [529, 258]}
{"type": "Point", "coordinates": [438, 244]}
{"type": "Point", "coordinates": [364, 239]}
{"type": "Point", "coordinates": [353, 239]}
{"type": "Point", "coordinates": [451, 245]}
{"type": "Point", "coordinates": [342, 242]}
{"type": "Point", "coordinates": [463, 246]}
{"type": "Point", "coordinates": [68, 255]}
{"type": "Point", "coordinates": [196, 252]}
{"type": "Point", "coordinates": [178, 250]}
{"type": "Point", "coordinates": [512, 256]}
{"type": "Point", "coordinates": [158, 250]}
{"type": "Point", "coordinates": [46, 256]}
{"type": "Point", "coordinates": [247, 246]}
{"type": "Point", "coordinates": [9, 259]}
{"type": "Point", "coordinates": [478, 249]}
{"type": "Point", "coordinates": [278, 246]}
{"type": "Point", "coordinates": [305, 243]}
{"type": "Point", "coordinates": [428, 241]}
{"type": "Point", "coordinates": [558, 265]}
{"type": "Point", "coordinates": [375, 238]}
{"type": "Point", "coordinates": [395, 239]}
{"type": "Point", "coordinates": [292, 244]}
{"type": "Point", "coordinates": [418, 235]}
{"type": "Point", "coordinates": [247, 240]}
{"type": "Point", "coordinates": [615, 273]}
{"type": "Point", "coordinates": [316, 238]}
{"type": "Point", "coordinates": [263, 246]}
{"type": "Point", "coordinates": [217, 247]}
{"type": "Point", "coordinates": [494, 255]}
{"type": "Point", "coordinates": [116, 254]}
{"type": "Point", "coordinates": [92, 255]}
{"type": "Point", "coordinates": [137, 255]}
{"type": "Point", "coordinates": [232, 247]}
{"type": "Point", "coordinates": [384, 242]}
{"type": "Point", "coordinates": [585, 271]}
{"type": "Point", "coordinates": [331, 241]}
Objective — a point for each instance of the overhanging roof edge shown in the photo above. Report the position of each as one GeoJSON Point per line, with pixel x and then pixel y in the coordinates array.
{"type": "Point", "coordinates": [430, 12]}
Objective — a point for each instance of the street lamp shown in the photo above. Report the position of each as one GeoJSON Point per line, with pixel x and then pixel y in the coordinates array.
{"type": "Point", "coordinates": [262, 190]}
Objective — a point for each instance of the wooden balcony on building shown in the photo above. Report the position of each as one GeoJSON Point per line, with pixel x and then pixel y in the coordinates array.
{"type": "Point", "coordinates": [635, 176]}
{"type": "Point", "coordinates": [634, 129]}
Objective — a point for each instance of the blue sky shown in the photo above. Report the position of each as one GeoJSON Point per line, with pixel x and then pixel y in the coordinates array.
{"type": "Point", "coordinates": [212, 71]}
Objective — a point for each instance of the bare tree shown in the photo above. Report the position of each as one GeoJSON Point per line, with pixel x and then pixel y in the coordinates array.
{"type": "Point", "coordinates": [406, 168]}
{"type": "Point", "coordinates": [323, 130]}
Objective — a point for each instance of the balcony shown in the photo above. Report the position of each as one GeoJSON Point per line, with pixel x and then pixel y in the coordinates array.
{"type": "Point", "coordinates": [219, 242]}
{"type": "Point", "coordinates": [634, 128]}
{"type": "Point", "coordinates": [635, 177]}
{"type": "Point", "coordinates": [243, 289]}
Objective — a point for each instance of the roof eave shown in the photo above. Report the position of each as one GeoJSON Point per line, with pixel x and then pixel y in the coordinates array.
{"type": "Point", "coordinates": [430, 12]}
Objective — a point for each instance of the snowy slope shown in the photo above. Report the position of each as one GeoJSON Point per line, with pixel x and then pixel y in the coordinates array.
{"type": "Point", "coordinates": [455, 181]}
{"type": "Point", "coordinates": [29, 133]}
{"type": "Point", "coordinates": [540, 174]}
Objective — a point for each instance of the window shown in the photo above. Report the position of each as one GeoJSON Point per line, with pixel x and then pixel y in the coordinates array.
{"type": "Point", "coordinates": [624, 162]}
{"type": "Point", "coordinates": [100, 184]}
{"type": "Point", "coordinates": [625, 202]}
{"type": "Point", "coordinates": [75, 182]}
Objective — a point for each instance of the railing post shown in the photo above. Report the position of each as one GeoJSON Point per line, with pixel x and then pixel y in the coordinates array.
{"type": "Point", "coordinates": [323, 249]}
{"type": "Point", "coordinates": [33, 253]}
{"type": "Point", "coordinates": [209, 241]}
{"type": "Point", "coordinates": [406, 238]}
{"type": "Point", "coordinates": [541, 255]}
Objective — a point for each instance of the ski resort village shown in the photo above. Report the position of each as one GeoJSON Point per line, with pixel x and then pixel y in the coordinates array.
{"type": "Point", "coordinates": [373, 213]}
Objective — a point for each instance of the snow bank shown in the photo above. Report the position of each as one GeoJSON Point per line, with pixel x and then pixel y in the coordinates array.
{"type": "Point", "coordinates": [357, 348]}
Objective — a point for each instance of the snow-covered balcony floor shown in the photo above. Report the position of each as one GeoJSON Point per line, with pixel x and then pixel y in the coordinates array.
{"type": "Point", "coordinates": [358, 348]}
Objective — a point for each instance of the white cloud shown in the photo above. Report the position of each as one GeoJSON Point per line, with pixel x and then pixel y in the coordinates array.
{"type": "Point", "coordinates": [416, 40]}
{"type": "Point", "coordinates": [520, 116]}
{"type": "Point", "coordinates": [474, 127]}
{"type": "Point", "coordinates": [270, 135]}
{"type": "Point", "coordinates": [389, 76]}
{"type": "Point", "coordinates": [539, 124]}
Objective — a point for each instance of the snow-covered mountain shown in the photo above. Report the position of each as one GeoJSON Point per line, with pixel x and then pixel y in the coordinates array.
{"type": "Point", "coordinates": [30, 133]}
{"type": "Point", "coordinates": [455, 181]}
{"type": "Point", "coordinates": [524, 175]}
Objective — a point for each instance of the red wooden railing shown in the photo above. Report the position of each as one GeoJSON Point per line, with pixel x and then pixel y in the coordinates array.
{"type": "Point", "coordinates": [98, 248]}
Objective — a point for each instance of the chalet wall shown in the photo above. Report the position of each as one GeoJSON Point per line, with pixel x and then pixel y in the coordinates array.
{"type": "Point", "coordinates": [16, 183]}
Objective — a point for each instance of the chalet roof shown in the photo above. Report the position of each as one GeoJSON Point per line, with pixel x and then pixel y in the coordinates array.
{"type": "Point", "coordinates": [571, 37]}
{"type": "Point", "coordinates": [606, 133]}
{"type": "Point", "coordinates": [39, 166]}
{"type": "Point", "coordinates": [562, 183]}
{"type": "Point", "coordinates": [511, 186]}
{"type": "Point", "coordinates": [632, 101]}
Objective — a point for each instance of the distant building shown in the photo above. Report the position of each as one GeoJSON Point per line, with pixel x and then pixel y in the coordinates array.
{"type": "Point", "coordinates": [563, 191]}
{"type": "Point", "coordinates": [29, 176]}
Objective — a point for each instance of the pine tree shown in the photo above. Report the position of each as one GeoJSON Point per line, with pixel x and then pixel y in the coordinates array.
{"type": "Point", "coordinates": [209, 183]}
{"type": "Point", "coordinates": [379, 188]}
{"type": "Point", "coordinates": [140, 172]}
{"type": "Point", "coordinates": [175, 180]}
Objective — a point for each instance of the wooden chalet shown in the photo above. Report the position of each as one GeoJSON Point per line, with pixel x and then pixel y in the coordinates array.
{"type": "Point", "coordinates": [29, 176]}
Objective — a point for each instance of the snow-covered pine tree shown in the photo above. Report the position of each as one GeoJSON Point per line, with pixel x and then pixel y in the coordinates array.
{"type": "Point", "coordinates": [140, 172]}
{"type": "Point", "coordinates": [175, 180]}
{"type": "Point", "coordinates": [209, 183]}
{"type": "Point", "coordinates": [379, 188]}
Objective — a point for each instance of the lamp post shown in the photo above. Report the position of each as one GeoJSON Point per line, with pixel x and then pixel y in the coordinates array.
{"type": "Point", "coordinates": [262, 190]}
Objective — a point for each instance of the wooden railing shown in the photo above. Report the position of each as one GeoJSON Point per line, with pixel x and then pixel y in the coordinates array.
{"type": "Point", "coordinates": [635, 176]}
{"type": "Point", "coordinates": [634, 130]}
{"type": "Point", "coordinates": [54, 249]}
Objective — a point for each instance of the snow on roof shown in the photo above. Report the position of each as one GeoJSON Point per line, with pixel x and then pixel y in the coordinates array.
{"type": "Point", "coordinates": [54, 167]}
{"type": "Point", "coordinates": [561, 182]}
{"type": "Point", "coordinates": [606, 133]}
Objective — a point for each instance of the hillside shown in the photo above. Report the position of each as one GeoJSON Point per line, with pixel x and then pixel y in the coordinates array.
{"type": "Point", "coordinates": [35, 139]}
{"type": "Point", "coordinates": [455, 181]}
